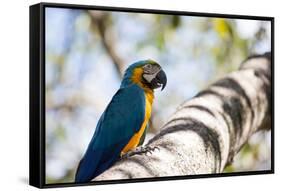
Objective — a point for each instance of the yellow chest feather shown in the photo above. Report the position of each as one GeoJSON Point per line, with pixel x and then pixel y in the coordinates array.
{"type": "Point", "coordinates": [134, 141]}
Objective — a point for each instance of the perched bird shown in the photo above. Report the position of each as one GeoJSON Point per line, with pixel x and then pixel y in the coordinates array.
{"type": "Point", "coordinates": [122, 126]}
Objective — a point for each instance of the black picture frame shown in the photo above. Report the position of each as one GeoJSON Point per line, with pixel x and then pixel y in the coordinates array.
{"type": "Point", "coordinates": [37, 92]}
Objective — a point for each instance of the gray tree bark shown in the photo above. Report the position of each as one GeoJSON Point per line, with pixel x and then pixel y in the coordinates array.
{"type": "Point", "coordinates": [206, 132]}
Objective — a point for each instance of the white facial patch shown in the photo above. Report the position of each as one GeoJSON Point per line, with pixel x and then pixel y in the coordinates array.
{"type": "Point", "coordinates": [150, 77]}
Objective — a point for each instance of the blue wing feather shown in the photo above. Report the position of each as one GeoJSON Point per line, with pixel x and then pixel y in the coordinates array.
{"type": "Point", "coordinates": [119, 122]}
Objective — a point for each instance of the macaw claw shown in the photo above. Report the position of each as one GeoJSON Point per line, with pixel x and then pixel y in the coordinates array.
{"type": "Point", "coordinates": [138, 151]}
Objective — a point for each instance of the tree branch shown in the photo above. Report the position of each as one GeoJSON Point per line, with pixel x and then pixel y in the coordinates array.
{"type": "Point", "coordinates": [100, 19]}
{"type": "Point", "coordinates": [205, 133]}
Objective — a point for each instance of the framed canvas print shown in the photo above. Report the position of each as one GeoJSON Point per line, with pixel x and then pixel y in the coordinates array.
{"type": "Point", "coordinates": [121, 95]}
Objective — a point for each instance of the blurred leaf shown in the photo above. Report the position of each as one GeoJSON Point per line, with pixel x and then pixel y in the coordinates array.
{"type": "Point", "coordinates": [60, 133]}
{"type": "Point", "coordinates": [160, 41]}
{"type": "Point", "coordinates": [176, 21]}
{"type": "Point", "coordinates": [246, 149]}
{"type": "Point", "coordinates": [229, 168]}
{"type": "Point", "coordinates": [223, 28]}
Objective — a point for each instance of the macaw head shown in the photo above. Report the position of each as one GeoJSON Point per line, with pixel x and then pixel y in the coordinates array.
{"type": "Point", "coordinates": [145, 73]}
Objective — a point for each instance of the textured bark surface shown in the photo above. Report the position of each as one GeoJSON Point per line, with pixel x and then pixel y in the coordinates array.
{"type": "Point", "coordinates": [206, 132]}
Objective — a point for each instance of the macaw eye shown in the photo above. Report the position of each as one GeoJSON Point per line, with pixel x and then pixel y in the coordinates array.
{"type": "Point", "coordinates": [148, 67]}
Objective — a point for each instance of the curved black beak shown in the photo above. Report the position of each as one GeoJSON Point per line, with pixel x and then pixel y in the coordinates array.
{"type": "Point", "coordinates": [159, 80]}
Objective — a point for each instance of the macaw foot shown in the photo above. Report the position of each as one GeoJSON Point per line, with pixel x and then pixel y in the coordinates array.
{"type": "Point", "coordinates": [138, 151]}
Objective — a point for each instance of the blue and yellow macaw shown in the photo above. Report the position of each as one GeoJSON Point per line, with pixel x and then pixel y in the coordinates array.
{"type": "Point", "coordinates": [122, 126]}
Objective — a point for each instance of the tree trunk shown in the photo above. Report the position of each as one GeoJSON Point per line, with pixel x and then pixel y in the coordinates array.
{"type": "Point", "coordinates": [205, 132]}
